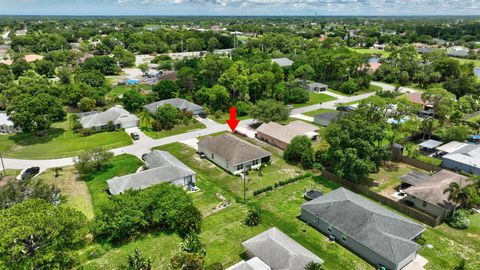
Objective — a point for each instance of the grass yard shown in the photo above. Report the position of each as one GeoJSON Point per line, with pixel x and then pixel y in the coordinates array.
{"type": "Point", "coordinates": [225, 116]}
{"type": "Point", "coordinates": [474, 119]}
{"type": "Point", "coordinates": [474, 224]}
{"type": "Point", "coordinates": [315, 98]}
{"type": "Point", "coordinates": [371, 88]}
{"type": "Point", "coordinates": [315, 112]}
{"type": "Point", "coordinates": [74, 189]}
{"type": "Point", "coordinates": [97, 182]}
{"type": "Point", "coordinates": [383, 53]}
{"type": "Point", "coordinates": [119, 90]}
{"type": "Point", "coordinates": [278, 170]}
{"type": "Point", "coordinates": [58, 142]}
{"type": "Point", "coordinates": [389, 177]}
{"type": "Point", "coordinates": [178, 129]}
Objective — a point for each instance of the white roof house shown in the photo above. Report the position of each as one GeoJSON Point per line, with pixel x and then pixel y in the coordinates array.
{"type": "Point", "coordinates": [283, 62]}
{"type": "Point", "coordinates": [6, 125]}
{"type": "Point", "coordinates": [253, 264]}
{"type": "Point", "coordinates": [117, 115]}
{"type": "Point", "coordinates": [466, 158]}
{"type": "Point", "coordinates": [451, 147]}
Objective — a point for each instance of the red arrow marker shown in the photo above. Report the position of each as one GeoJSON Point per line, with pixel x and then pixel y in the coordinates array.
{"type": "Point", "coordinates": [233, 122]}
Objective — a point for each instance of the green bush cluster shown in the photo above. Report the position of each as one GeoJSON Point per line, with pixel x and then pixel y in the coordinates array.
{"type": "Point", "coordinates": [281, 183]}
{"type": "Point", "coordinates": [163, 207]}
{"type": "Point", "coordinates": [460, 219]}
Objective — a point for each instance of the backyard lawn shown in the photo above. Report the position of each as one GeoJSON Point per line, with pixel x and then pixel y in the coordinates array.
{"type": "Point", "coordinates": [178, 129]}
{"type": "Point", "coordinates": [315, 98]}
{"type": "Point", "coordinates": [224, 231]}
{"type": "Point", "coordinates": [315, 112]}
{"type": "Point", "coordinates": [58, 142]}
{"type": "Point", "coordinates": [388, 177]}
{"type": "Point", "coordinates": [97, 182]}
{"type": "Point", "coordinates": [383, 53]}
{"type": "Point", "coordinates": [74, 189]}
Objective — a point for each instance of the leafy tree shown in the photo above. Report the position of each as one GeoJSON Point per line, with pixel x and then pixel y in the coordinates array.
{"type": "Point", "coordinates": [457, 194]}
{"type": "Point", "coordinates": [92, 160]}
{"type": "Point", "coordinates": [213, 44]}
{"type": "Point", "coordinates": [165, 89]}
{"type": "Point", "coordinates": [144, 68]}
{"type": "Point", "coordinates": [455, 133]}
{"type": "Point", "coordinates": [313, 266]}
{"type": "Point", "coordinates": [35, 113]}
{"type": "Point", "coordinates": [137, 261]}
{"type": "Point", "coordinates": [146, 117]}
{"type": "Point", "coordinates": [93, 78]}
{"type": "Point", "coordinates": [349, 87]}
{"type": "Point", "coordinates": [217, 97]}
{"type": "Point", "coordinates": [39, 235]}
{"type": "Point", "coordinates": [5, 74]}
{"type": "Point", "coordinates": [45, 67]}
{"type": "Point", "coordinates": [187, 261]}
{"type": "Point", "coordinates": [296, 95]}
{"type": "Point", "coordinates": [355, 146]}
{"type": "Point", "coordinates": [186, 79]}
{"type": "Point", "coordinates": [15, 192]}
{"type": "Point", "coordinates": [193, 244]}
{"type": "Point", "coordinates": [304, 72]}
{"type": "Point", "coordinates": [269, 111]}
{"type": "Point", "coordinates": [167, 115]}
{"type": "Point", "coordinates": [459, 219]}
{"type": "Point", "coordinates": [87, 104]}
{"type": "Point", "coordinates": [133, 100]}
{"type": "Point", "coordinates": [253, 217]}
{"type": "Point", "coordinates": [194, 44]}
{"type": "Point", "coordinates": [124, 57]}
{"type": "Point", "coordinates": [64, 75]}
{"type": "Point", "coordinates": [19, 67]}
{"type": "Point", "coordinates": [104, 64]}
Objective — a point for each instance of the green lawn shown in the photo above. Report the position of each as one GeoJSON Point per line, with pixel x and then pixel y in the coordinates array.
{"type": "Point", "coordinates": [474, 224]}
{"type": "Point", "coordinates": [97, 182]}
{"type": "Point", "coordinates": [315, 112]}
{"type": "Point", "coordinates": [119, 90]}
{"type": "Point", "coordinates": [388, 176]}
{"type": "Point", "coordinates": [58, 142]}
{"type": "Point", "coordinates": [372, 51]}
{"type": "Point", "coordinates": [474, 119]}
{"type": "Point", "coordinates": [222, 119]}
{"type": "Point", "coordinates": [276, 171]}
{"type": "Point", "coordinates": [74, 189]}
{"type": "Point", "coordinates": [178, 129]}
{"type": "Point", "coordinates": [315, 98]}
{"type": "Point", "coordinates": [371, 88]}
{"type": "Point", "coordinates": [224, 231]}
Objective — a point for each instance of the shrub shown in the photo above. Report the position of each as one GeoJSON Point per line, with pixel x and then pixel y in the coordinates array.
{"type": "Point", "coordinates": [281, 183]}
{"type": "Point", "coordinates": [459, 219]}
{"type": "Point", "coordinates": [253, 217]}
{"type": "Point", "coordinates": [137, 261]}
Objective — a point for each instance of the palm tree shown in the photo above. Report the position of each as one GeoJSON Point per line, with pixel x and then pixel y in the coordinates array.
{"type": "Point", "coordinates": [457, 194]}
{"type": "Point", "coordinates": [146, 118]}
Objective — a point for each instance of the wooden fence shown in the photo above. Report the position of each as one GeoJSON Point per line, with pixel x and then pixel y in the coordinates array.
{"type": "Point", "coordinates": [400, 207]}
{"type": "Point", "coordinates": [419, 164]}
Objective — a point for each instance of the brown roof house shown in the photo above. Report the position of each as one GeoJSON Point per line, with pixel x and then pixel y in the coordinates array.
{"type": "Point", "coordinates": [233, 154]}
{"type": "Point", "coordinates": [427, 193]}
{"type": "Point", "coordinates": [416, 97]}
{"type": "Point", "coordinates": [280, 136]}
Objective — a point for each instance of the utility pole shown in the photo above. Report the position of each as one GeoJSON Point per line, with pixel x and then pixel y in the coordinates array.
{"type": "Point", "coordinates": [3, 165]}
{"type": "Point", "coordinates": [244, 185]}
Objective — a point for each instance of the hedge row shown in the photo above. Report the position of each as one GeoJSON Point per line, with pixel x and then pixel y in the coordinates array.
{"type": "Point", "coordinates": [281, 183]}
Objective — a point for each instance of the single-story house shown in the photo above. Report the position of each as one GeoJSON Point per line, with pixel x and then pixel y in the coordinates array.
{"type": "Point", "coordinates": [379, 235]}
{"type": "Point", "coordinates": [116, 115]}
{"type": "Point", "coordinates": [161, 167]}
{"type": "Point", "coordinates": [281, 136]}
{"type": "Point", "coordinates": [466, 158]}
{"type": "Point", "coordinates": [325, 119]}
{"type": "Point", "coordinates": [32, 57]}
{"type": "Point", "coordinates": [458, 51]}
{"type": "Point", "coordinates": [427, 193]}
{"type": "Point", "coordinates": [274, 250]}
{"type": "Point", "coordinates": [179, 103]}
{"type": "Point", "coordinates": [21, 32]}
{"type": "Point", "coordinates": [425, 50]}
{"type": "Point", "coordinates": [7, 62]}
{"type": "Point", "coordinates": [450, 147]}
{"type": "Point", "coordinates": [416, 97]}
{"type": "Point", "coordinates": [283, 62]}
{"type": "Point", "coordinates": [6, 125]}
{"type": "Point", "coordinates": [317, 87]}
{"type": "Point", "coordinates": [233, 154]}
{"type": "Point", "coordinates": [377, 46]}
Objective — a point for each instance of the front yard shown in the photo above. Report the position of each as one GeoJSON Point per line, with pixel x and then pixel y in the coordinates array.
{"type": "Point", "coordinates": [177, 129]}
{"type": "Point", "coordinates": [58, 142]}
{"type": "Point", "coordinates": [315, 98]}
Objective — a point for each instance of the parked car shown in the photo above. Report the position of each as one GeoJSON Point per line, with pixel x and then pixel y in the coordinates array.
{"type": "Point", "coordinates": [135, 136]}
{"type": "Point", "coordinates": [290, 107]}
{"type": "Point", "coordinates": [202, 115]}
{"type": "Point", "coordinates": [345, 108]}
{"type": "Point", "coordinates": [202, 155]}
{"type": "Point", "coordinates": [30, 172]}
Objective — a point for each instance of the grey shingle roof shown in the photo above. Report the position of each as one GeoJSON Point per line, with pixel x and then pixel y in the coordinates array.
{"type": "Point", "coordinates": [283, 62]}
{"type": "Point", "coordinates": [432, 189]}
{"type": "Point", "coordinates": [375, 227]}
{"type": "Point", "coordinates": [232, 149]}
{"type": "Point", "coordinates": [253, 264]}
{"type": "Point", "coordinates": [116, 114]}
{"type": "Point", "coordinates": [178, 103]}
{"type": "Point", "coordinates": [325, 119]}
{"type": "Point", "coordinates": [279, 251]}
{"type": "Point", "coordinates": [162, 167]}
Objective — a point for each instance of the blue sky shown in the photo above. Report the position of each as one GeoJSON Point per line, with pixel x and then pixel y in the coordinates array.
{"type": "Point", "coordinates": [239, 7]}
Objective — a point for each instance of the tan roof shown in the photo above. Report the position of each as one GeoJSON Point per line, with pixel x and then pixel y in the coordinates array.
{"type": "Point", "coordinates": [6, 62]}
{"type": "Point", "coordinates": [416, 97]}
{"type": "Point", "coordinates": [432, 189]}
{"type": "Point", "coordinates": [232, 149]}
{"type": "Point", "coordinates": [288, 132]}
{"type": "Point", "coordinates": [32, 57]}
